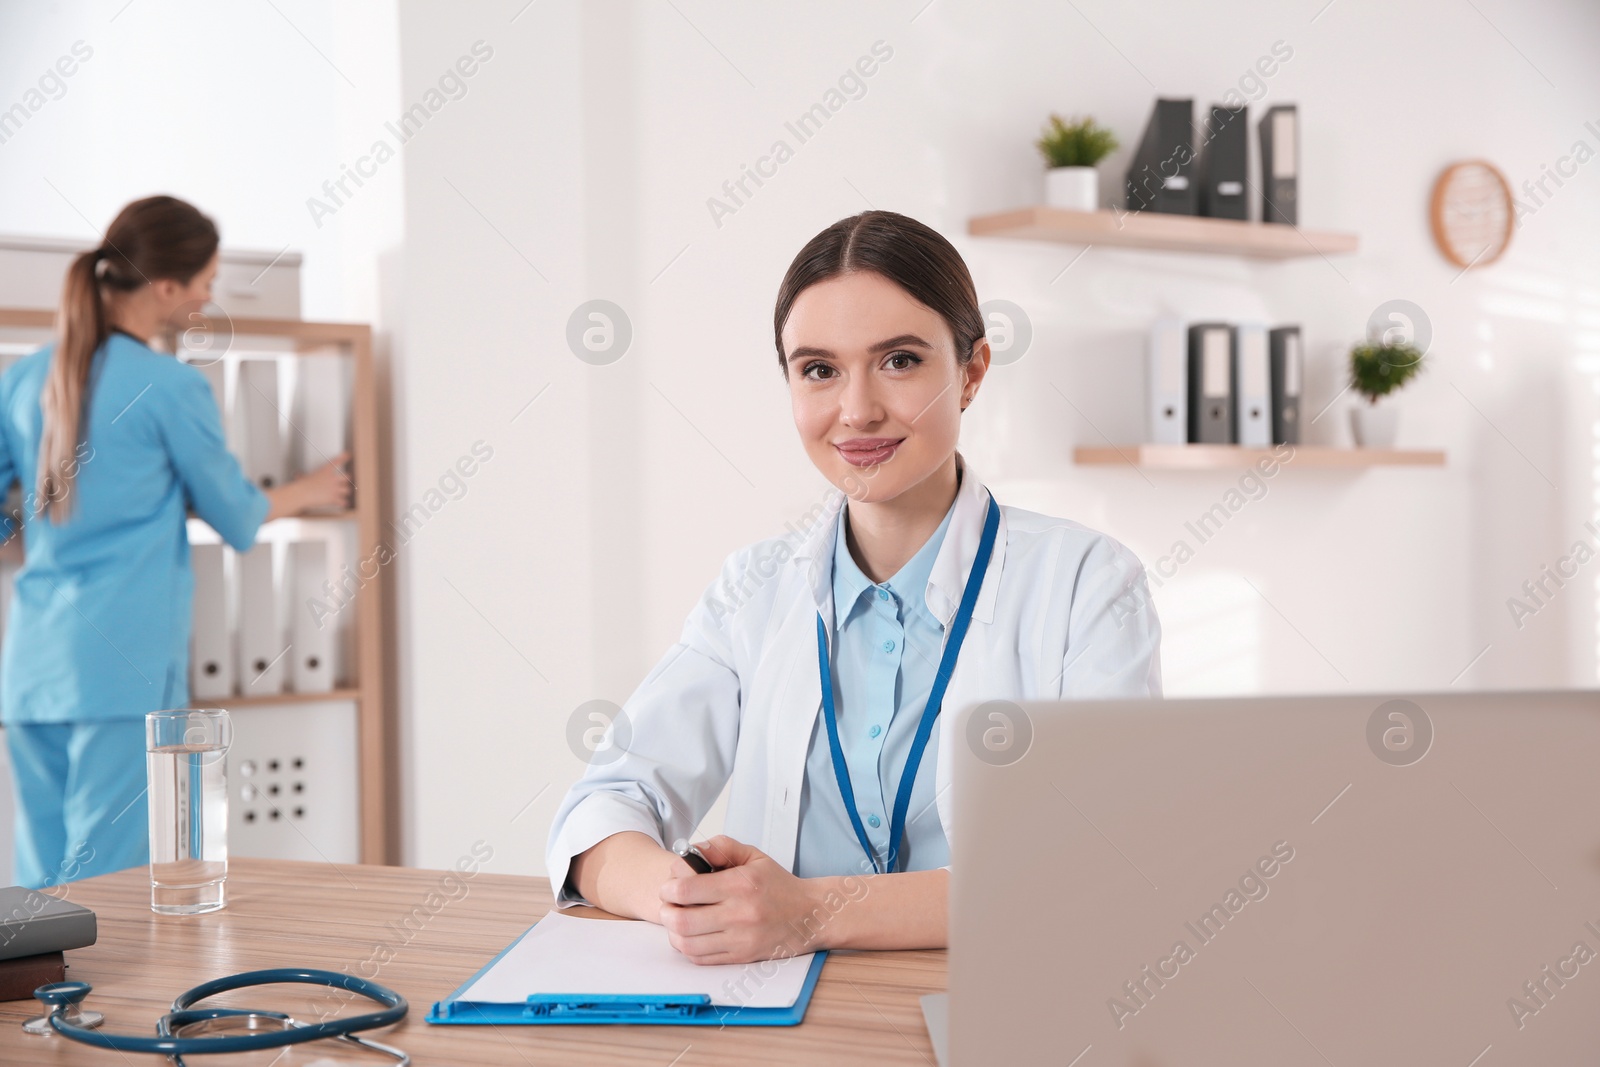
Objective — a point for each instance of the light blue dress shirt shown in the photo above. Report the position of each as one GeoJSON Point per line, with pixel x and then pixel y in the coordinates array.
{"type": "Point", "coordinates": [885, 655]}
{"type": "Point", "coordinates": [100, 616]}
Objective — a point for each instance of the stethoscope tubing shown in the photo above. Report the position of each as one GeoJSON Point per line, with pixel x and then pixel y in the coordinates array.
{"type": "Point", "coordinates": [166, 1043]}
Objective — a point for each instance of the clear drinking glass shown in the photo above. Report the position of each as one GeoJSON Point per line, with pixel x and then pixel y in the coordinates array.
{"type": "Point", "coordinates": [186, 759]}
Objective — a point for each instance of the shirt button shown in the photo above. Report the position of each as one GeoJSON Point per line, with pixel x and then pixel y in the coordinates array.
{"type": "Point", "coordinates": [874, 822]}
{"type": "Point", "coordinates": [888, 646]}
{"type": "Point", "coordinates": [875, 731]}
{"type": "Point", "coordinates": [883, 594]}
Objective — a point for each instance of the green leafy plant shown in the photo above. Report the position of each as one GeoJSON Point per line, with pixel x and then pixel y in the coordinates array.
{"type": "Point", "coordinates": [1080, 143]}
{"type": "Point", "coordinates": [1376, 370]}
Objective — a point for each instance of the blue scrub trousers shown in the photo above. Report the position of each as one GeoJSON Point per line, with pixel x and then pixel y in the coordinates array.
{"type": "Point", "coordinates": [80, 795]}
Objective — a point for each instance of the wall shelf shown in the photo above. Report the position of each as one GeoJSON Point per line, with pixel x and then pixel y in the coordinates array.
{"type": "Point", "coordinates": [277, 699]}
{"type": "Point", "coordinates": [1239, 457]}
{"type": "Point", "coordinates": [1171, 233]}
{"type": "Point", "coordinates": [342, 515]}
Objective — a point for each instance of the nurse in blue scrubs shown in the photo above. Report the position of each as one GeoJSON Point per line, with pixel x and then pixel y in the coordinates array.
{"type": "Point", "coordinates": [114, 443]}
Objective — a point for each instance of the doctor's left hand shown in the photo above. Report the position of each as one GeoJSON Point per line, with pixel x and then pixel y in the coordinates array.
{"type": "Point", "coordinates": [751, 911]}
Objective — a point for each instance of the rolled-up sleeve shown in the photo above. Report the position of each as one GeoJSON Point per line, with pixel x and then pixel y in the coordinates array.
{"type": "Point", "coordinates": [213, 482]}
{"type": "Point", "coordinates": [666, 756]}
{"type": "Point", "coordinates": [1113, 634]}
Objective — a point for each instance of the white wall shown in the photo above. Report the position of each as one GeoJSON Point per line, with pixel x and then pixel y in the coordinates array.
{"type": "Point", "coordinates": [243, 110]}
{"type": "Point", "coordinates": [577, 164]}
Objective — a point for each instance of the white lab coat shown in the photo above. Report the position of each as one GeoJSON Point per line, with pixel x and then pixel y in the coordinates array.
{"type": "Point", "coordinates": [1064, 612]}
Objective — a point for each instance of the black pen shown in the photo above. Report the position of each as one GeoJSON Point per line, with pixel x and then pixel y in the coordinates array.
{"type": "Point", "coordinates": [693, 857]}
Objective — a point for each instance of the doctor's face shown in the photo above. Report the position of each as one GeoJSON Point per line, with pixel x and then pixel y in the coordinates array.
{"type": "Point", "coordinates": [875, 384]}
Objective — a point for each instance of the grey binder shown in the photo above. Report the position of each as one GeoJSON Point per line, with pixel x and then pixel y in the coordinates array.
{"type": "Point", "coordinates": [1211, 383]}
{"type": "Point", "coordinates": [1224, 164]}
{"type": "Point", "coordinates": [1280, 165]}
{"type": "Point", "coordinates": [1161, 176]}
{"type": "Point", "coordinates": [1284, 344]}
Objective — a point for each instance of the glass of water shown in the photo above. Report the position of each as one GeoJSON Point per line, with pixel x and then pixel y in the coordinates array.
{"type": "Point", "coordinates": [186, 758]}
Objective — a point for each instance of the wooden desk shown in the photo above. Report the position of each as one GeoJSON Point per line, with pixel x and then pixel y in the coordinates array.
{"type": "Point", "coordinates": [282, 913]}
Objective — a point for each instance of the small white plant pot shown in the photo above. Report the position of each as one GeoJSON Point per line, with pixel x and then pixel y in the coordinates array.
{"type": "Point", "coordinates": [1073, 188]}
{"type": "Point", "coordinates": [1374, 425]}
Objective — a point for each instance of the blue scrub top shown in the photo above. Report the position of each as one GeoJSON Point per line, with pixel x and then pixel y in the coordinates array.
{"type": "Point", "coordinates": [101, 613]}
{"type": "Point", "coordinates": [885, 658]}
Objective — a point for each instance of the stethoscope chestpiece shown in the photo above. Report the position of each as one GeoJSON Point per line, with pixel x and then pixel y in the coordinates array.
{"type": "Point", "coordinates": [63, 998]}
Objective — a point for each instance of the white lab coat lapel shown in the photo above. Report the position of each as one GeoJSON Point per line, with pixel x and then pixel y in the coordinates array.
{"type": "Point", "coordinates": [811, 573]}
{"type": "Point", "coordinates": [948, 579]}
{"type": "Point", "coordinates": [972, 679]}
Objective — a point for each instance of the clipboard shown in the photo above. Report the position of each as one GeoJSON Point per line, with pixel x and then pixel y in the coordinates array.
{"type": "Point", "coordinates": [670, 1009]}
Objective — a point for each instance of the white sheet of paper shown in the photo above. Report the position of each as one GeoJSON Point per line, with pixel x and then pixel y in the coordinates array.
{"type": "Point", "coordinates": [567, 954]}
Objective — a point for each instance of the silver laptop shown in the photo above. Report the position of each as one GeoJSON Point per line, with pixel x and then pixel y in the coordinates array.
{"type": "Point", "coordinates": [1346, 880]}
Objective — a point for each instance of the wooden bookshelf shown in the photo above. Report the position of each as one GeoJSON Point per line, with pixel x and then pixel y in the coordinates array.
{"type": "Point", "coordinates": [344, 515]}
{"type": "Point", "coordinates": [1239, 457]}
{"type": "Point", "coordinates": [1168, 233]}
{"type": "Point", "coordinates": [376, 740]}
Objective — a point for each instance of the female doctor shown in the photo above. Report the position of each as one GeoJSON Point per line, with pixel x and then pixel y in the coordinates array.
{"type": "Point", "coordinates": [114, 442]}
{"type": "Point", "coordinates": [810, 665]}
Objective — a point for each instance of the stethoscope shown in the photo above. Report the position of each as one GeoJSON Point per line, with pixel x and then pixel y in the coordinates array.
{"type": "Point", "coordinates": [261, 1029]}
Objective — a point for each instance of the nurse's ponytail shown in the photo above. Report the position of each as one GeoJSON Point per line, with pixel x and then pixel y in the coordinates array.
{"type": "Point", "coordinates": [912, 255]}
{"type": "Point", "coordinates": [158, 237]}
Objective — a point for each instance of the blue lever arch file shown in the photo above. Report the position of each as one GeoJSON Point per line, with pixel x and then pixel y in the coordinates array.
{"type": "Point", "coordinates": [669, 1009]}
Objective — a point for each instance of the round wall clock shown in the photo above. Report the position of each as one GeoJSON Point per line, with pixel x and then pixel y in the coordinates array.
{"type": "Point", "coordinates": [1472, 213]}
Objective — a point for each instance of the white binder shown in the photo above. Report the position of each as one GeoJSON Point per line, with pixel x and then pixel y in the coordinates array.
{"type": "Point", "coordinates": [313, 626]}
{"type": "Point", "coordinates": [256, 410]}
{"type": "Point", "coordinates": [261, 644]}
{"type": "Point", "coordinates": [1253, 416]}
{"type": "Point", "coordinates": [319, 416]}
{"type": "Point", "coordinates": [215, 372]}
{"type": "Point", "coordinates": [1168, 372]}
{"type": "Point", "coordinates": [1285, 143]}
{"type": "Point", "coordinates": [211, 673]}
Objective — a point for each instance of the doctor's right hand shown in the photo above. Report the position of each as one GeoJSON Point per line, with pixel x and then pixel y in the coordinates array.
{"type": "Point", "coordinates": [752, 909]}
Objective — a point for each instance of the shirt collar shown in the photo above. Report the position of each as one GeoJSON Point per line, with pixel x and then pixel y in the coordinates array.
{"type": "Point", "coordinates": [910, 582]}
{"type": "Point", "coordinates": [948, 578]}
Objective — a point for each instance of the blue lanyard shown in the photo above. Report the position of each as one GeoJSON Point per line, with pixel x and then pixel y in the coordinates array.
{"type": "Point", "coordinates": [930, 712]}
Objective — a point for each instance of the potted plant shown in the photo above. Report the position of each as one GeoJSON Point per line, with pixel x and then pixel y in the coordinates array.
{"type": "Point", "coordinates": [1377, 369]}
{"type": "Point", "coordinates": [1072, 149]}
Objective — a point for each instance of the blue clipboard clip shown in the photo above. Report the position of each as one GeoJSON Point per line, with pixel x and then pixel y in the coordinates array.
{"type": "Point", "coordinates": [614, 1007]}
